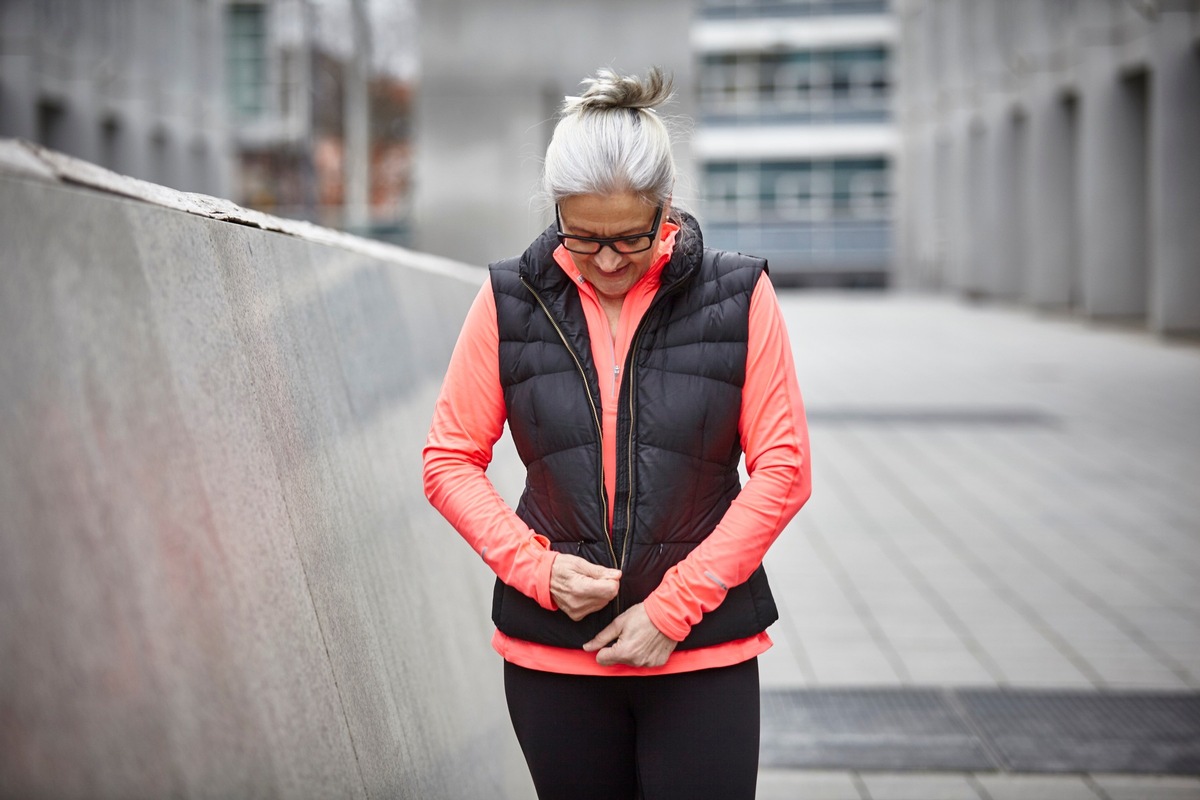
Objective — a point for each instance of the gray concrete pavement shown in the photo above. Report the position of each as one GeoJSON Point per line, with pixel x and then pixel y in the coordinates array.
{"type": "Point", "coordinates": [1001, 499]}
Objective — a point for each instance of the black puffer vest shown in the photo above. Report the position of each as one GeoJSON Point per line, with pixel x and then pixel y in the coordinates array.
{"type": "Point", "coordinates": [677, 431]}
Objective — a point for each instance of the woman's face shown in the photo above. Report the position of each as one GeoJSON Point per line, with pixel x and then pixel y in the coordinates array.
{"type": "Point", "coordinates": [612, 274]}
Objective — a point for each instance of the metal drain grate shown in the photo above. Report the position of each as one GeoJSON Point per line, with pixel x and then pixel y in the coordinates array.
{"type": "Point", "coordinates": [982, 730]}
{"type": "Point", "coordinates": [868, 729]}
{"type": "Point", "coordinates": [1055, 732]}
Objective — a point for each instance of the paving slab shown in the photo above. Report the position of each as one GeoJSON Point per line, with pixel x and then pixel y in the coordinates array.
{"type": "Point", "coordinates": [1019, 488]}
{"type": "Point", "coordinates": [774, 784]}
{"type": "Point", "coordinates": [1124, 787]}
{"type": "Point", "coordinates": [920, 787]}
{"type": "Point", "coordinates": [1000, 786]}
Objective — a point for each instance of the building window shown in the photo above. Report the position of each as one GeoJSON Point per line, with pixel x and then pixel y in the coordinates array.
{"type": "Point", "coordinates": [845, 85]}
{"type": "Point", "coordinates": [790, 8]}
{"type": "Point", "coordinates": [111, 145]}
{"type": "Point", "coordinates": [52, 127]}
{"type": "Point", "coordinates": [818, 216]}
{"type": "Point", "coordinates": [796, 191]}
{"type": "Point", "coordinates": [246, 65]}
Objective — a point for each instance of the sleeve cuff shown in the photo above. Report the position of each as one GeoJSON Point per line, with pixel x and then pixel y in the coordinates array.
{"type": "Point", "coordinates": [661, 620]}
{"type": "Point", "coordinates": [544, 568]}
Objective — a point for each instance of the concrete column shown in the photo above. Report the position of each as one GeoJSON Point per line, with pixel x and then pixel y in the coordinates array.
{"type": "Point", "coordinates": [1112, 188]}
{"type": "Point", "coordinates": [973, 222]}
{"type": "Point", "coordinates": [357, 118]}
{"type": "Point", "coordinates": [955, 140]}
{"type": "Point", "coordinates": [925, 57]}
{"type": "Point", "coordinates": [1051, 210]}
{"type": "Point", "coordinates": [916, 221]}
{"type": "Point", "coordinates": [906, 226]}
{"type": "Point", "coordinates": [944, 194]}
{"type": "Point", "coordinates": [951, 186]}
{"type": "Point", "coordinates": [1000, 228]}
{"type": "Point", "coordinates": [1174, 180]}
{"type": "Point", "coordinates": [927, 249]}
{"type": "Point", "coordinates": [1018, 231]}
{"type": "Point", "coordinates": [983, 205]}
{"type": "Point", "coordinates": [217, 124]}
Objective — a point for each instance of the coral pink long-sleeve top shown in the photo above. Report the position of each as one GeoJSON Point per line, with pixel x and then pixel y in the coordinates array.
{"type": "Point", "coordinates": [469, 418]}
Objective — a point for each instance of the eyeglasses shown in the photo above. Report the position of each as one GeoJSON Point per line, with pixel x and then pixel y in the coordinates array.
{"type": "Point", "coordinates": [624, 245]}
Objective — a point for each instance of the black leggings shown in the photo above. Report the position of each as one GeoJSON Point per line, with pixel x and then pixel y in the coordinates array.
{"type": "Point", "coordinates": [691, 736]}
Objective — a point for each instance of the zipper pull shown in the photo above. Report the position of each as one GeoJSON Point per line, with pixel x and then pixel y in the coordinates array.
{"type": "Point", "coordinates": [616, 374]}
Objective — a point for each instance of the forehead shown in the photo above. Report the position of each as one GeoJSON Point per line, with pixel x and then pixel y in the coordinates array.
{"type": "Point", "coordinates": [606, 214]}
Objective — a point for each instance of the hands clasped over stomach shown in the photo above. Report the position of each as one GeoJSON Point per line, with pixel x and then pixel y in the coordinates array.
{"type": "Point", "coordinates": [580, 588]}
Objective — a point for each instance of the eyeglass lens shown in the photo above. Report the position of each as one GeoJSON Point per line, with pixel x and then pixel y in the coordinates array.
{"type": "Point", "coordinates": [634, 244]}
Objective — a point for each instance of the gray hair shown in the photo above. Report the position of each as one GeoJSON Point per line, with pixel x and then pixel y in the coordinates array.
{"type": "Point", "coordinates": [611, 140]}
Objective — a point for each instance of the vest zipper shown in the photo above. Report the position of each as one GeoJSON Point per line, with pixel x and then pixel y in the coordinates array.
{"type": "Point", "coordinates": [595, 419]}
{"type": "Point", "coordinates": [631, 382]}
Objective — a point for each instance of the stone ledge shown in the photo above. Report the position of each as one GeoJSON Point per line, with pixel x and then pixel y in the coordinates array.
{"type": "Point", "coordinates": [26, 159]}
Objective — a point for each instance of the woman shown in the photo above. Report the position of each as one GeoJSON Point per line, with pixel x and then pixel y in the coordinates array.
{"type": "Point", "coordinates": [634, 368]}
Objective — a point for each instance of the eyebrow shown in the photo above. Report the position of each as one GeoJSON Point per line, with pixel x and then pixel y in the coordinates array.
{"type": "Point", "coordinates": [592, 234]}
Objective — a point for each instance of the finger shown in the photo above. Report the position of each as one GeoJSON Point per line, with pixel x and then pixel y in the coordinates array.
{"type": "Point", "coordinates": [605, 590]}
{"type": "Point", "coordinates": [605, 637]}
{"type": "Point", "coordinates": [611, 656]}
{"type": "Point", "coordinates": [598, 572]}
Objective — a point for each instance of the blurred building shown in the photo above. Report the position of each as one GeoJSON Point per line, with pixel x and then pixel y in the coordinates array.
{"type": "Point", "coordinates": [269, 68]}
{"type": "Point", "coordinates": [133, 85]}
{"type": "Point", "coordinates": [795, 140]}
{"type": "Point", "coordinates": [1051, 154]}
{"type": "Point", "coordinates": [492, 78]}
{"type": "Point", "coordinates": [390, 159]}
{"type": "Point", "coordinates": [287, 100]}
{"type": "Point", "coordinates": [233, 98]}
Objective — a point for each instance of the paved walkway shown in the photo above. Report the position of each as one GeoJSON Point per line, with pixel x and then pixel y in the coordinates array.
{"type": "Point", "coordinates": [1001, 499]}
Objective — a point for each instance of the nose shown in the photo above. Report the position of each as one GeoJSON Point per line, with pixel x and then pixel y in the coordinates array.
{"type": "Point", "coordinates": [607, 259]}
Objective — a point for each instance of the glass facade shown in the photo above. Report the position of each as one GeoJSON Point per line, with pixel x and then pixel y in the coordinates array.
{"type": "Point", "coordinates": [845, 85]}
{"type": "Point", "coordinates": [826, 214]}
{"type": "Point", "coordinates": [789, 8]}
{"type": "Point", "coordinates": [803, 89]}
{"type": "Point", "coordinates": [787, 191]}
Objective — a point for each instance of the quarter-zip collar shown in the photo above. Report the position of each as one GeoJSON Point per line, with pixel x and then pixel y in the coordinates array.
{"type": "Point", "coordinates": [647, 283]}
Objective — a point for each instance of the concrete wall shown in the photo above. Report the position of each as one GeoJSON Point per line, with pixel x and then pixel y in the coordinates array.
{"type": "Point", "coordinates": [218, 574]}
{"type": "Point", "coordinates": [1072, 129]}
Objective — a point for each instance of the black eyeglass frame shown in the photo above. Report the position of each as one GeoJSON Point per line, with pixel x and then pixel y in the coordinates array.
{"type": "Point", "coordinates": [610, 241]}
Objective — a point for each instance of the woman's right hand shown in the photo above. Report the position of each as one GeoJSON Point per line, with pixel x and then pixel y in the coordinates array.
{"type": "Point", "coordinates": [580, 587]}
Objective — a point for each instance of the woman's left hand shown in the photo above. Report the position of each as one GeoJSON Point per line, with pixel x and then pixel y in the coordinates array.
{"type": "Point", "coordinates": [631, 639]}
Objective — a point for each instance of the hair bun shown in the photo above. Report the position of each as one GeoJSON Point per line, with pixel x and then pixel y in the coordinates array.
{"type": "Point", "coordinates": [609, 90]}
